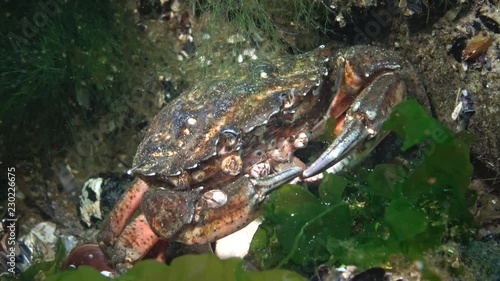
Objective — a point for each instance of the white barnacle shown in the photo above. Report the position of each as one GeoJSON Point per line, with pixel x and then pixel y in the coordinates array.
{"type": "Point", "coordinates": [263, 75]}
{"type": "Point", "coordinates": [301, 140]}
{"type": "Point", "coordinates": [191, 121]}
{"type": "Point", "coordinates": [371, 114]}
{"type": "Point", "coordinates": [232, 165]}
{"type": "Point", "coordinates": [260, 170]}
{"type": "Point", "coordinates": [356, 106]}
{"type": "Point", "coordinates": [215, 198]}
{"type": "Point", "coordinates": [198, 175]}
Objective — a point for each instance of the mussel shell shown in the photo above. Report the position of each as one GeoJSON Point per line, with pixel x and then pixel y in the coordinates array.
{"type": "Point", "coordinates": [457, 48]}
{"type": "Point", "coordinates": [490, 23]}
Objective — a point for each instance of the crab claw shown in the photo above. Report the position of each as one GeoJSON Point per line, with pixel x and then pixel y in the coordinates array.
{"type": "Point", "coordinates": [352, 135]}
{"type": "Point", "coordinates": [363, 121]}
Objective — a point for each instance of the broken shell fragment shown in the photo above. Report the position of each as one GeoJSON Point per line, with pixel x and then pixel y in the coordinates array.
{"type": "Point", "coordinates": [41, 241]}
{"type": "Point", "coordinates": [456, 111]}
{"type": "Point", "coordinates": [463, 110]}
{"type": "Point", "coordinates": [90, 201]}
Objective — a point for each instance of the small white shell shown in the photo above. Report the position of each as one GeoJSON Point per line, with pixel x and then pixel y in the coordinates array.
{"type": "Point", "coordinates": [456, 111]}
{"type": "Point", "coordinates": [215, 198]}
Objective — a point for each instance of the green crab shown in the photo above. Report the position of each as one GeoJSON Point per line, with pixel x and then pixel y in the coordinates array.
{"type": "Point", "coordinates": [211, 156]}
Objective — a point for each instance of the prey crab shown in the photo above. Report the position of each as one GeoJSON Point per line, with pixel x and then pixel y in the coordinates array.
{"type": "Point", "coordinates": [211, 156]}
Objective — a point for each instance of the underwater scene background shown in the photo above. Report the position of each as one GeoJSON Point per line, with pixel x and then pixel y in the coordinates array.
{"type": "Point", "coordinates": [81, 81]}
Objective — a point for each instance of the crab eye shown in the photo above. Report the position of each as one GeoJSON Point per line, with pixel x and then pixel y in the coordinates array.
{"type": "Point", "coordinates": [289, 99]}
{"type": "Point", "coordinates": [229, 141]}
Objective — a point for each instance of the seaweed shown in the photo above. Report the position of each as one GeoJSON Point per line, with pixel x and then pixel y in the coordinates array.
{"type": "Point", "coordinates": [184, 268]}
{"type": "Point", "coordinates": [393, 210]}
{"type": "Point", "coordinates": [270, 28]}
{"type": "Point", "coordinates": [61, 59]}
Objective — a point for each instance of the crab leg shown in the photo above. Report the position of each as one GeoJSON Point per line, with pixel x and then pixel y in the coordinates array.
{"type": "Point", "coordinates": [216, 219]}
{"type": "Point", "coordinates": [121, 214]}
{"type": "Point", "coordinates": [161, 217]}
{"type": "Point", "coordinates": [134, 243]}
{"type": "Point", "coordinates": [243, 196]}
{"type": "Point", "coordinates": [363, 121]}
